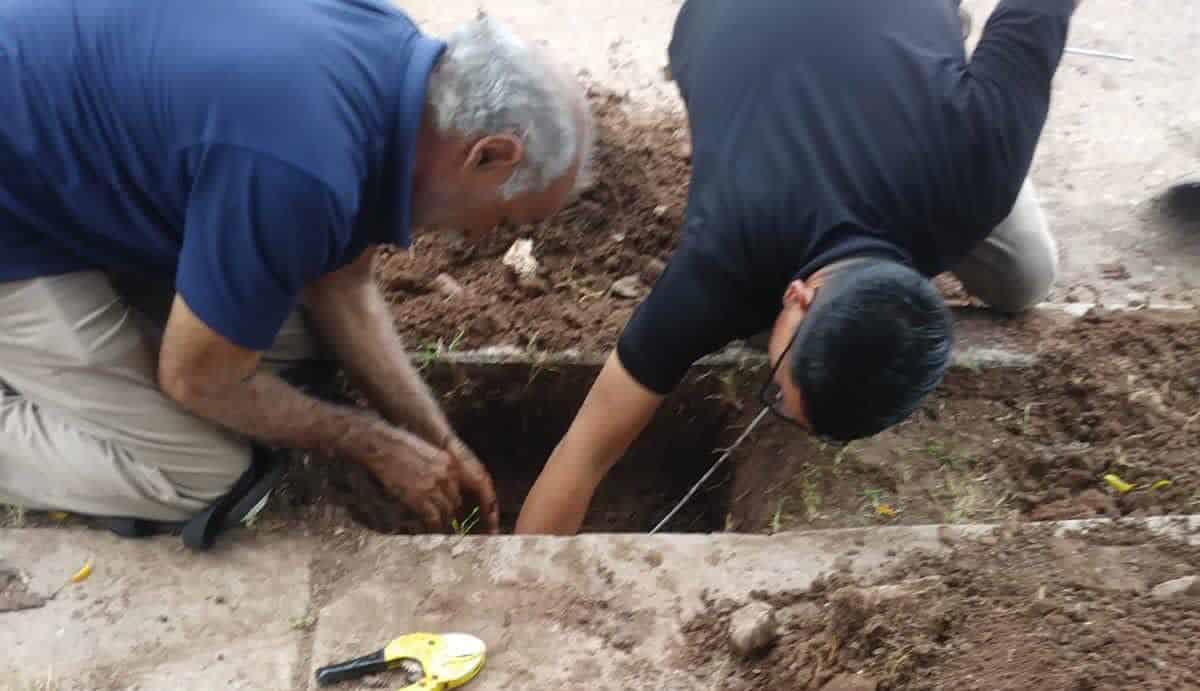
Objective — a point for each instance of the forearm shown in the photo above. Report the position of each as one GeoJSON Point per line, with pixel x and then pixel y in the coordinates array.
{"type": "Point", "coordinates": [559, 500]}
{"type": "Point", "coordinates": [614, 413]}
{"type": "Point", "coordinates": [270, 411]}
{"type": "Point", "coordinates": [358, 326]}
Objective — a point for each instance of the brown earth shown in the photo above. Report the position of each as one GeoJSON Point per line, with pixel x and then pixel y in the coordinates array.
{"type": "Point", "coordinates": [1115, 393]}
{"type": "Point", "coordinates": [624, 225]}
{"type": "Point", "coordinates": [1018, 609]}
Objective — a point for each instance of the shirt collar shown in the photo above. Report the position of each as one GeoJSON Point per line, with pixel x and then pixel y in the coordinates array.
{"type": "Point", "coordinates": [425, 52]}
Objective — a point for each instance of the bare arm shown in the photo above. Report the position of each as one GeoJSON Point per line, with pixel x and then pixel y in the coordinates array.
{"type": "Point", "coordinates": [353, 318]}
{"type": "Point", "coordinates": [615, 412]}
{"type": "Point", "coordinates": [220, 381]}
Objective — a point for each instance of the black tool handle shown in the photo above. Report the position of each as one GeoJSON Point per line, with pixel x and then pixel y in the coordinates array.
{"type": "Point", "coordinates": [352, 669]}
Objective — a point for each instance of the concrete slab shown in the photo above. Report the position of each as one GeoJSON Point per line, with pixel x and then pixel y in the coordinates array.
{"type": "Point", "coordinates": [153, 615]}
{"type": "Point", "coordinates": [595, 611]}
{"type": "Point", "coordinates": [1119, 132]}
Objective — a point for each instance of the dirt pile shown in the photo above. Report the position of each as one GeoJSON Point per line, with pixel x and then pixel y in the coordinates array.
{"type": "Point", "coordinates": [1018, 609]}
{"type": "Point", "coordinates": [1112, 394]}
{"type": "Point", "coordinates": [1115, 396]}
{"type": "Point", "coordinates": [623, 226]}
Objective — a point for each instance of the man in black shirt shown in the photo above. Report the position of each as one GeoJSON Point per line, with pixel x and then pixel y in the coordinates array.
{"type": "Point", "coordinates": [844, 152]}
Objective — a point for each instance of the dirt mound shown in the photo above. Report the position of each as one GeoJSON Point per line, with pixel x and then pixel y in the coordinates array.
{"type": "Point", "coordinates": [1112, 394]}
{"type": "Point", "coordinates": [1019, 609]}
{"type": "Point", "coordinates": [625, 225]}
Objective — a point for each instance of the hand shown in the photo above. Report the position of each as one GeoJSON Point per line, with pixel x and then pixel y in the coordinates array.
{"type": "Point", "coordinates": [425, 478]}
{"type": "Point", "coordinates": [475, 478]}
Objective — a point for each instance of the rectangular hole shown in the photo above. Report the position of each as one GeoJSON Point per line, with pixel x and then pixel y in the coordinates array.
{"type": "Point", "coordinates": [513, 414]}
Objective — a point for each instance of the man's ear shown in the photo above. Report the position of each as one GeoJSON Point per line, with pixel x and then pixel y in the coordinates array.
{"type": "Point", "coordinates": [502, 151]}
{"type": "Point", "coordinates": [799, 294]}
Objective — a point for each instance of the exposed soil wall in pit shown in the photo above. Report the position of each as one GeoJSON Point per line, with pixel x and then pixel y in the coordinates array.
{"type": "Point", "coordinates": [1115, 393]}
{"type": "Point", "coordinates": [513, 415]}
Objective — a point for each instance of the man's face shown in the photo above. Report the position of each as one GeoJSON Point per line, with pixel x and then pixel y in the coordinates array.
{"type": "Point", "coordinates": [782, 394]}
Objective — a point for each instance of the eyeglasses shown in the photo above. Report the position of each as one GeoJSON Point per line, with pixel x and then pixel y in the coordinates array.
{"type": "Point", "coordinates": [771, 395]}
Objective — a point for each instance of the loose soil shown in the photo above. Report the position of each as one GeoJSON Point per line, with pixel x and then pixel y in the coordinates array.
{"type": "Point", "coordinates": [1111, 393]}
{"type": "Point", "coordinates": [1018, 609]}
{"type": "Point", "coordinates": [625, 224]}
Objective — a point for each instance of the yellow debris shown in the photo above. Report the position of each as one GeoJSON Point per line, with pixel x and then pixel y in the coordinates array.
{"type": "Point", "coordinates": [82, 574]}
{"type": "Point", "coordinates": [58, 516]}
{"type": "Point", "coordinates": [1117, 483]}
{"type": "Point", "coordinates": [885, 510]}
{"type": "Point", "coordinates": [1161, 484]}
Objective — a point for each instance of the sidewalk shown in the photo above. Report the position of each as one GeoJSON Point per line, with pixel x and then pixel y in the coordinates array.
{"type": "Point", "coordinates": [265, 610]}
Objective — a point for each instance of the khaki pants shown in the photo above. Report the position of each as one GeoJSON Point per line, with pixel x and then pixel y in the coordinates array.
{"type": "Point", "coordinates": [1015, 267]}
{"type": "Point", "coordinates": [84, 426]}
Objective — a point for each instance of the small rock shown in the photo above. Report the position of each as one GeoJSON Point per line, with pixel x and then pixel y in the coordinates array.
{"type": "Point", "coordinates": [1057, 621]}
{"type": "Point", "coordinates": [851, 682]}
{"type": "Point", "coordinates": [629, 287]}
{"type": "Point", "coordinates": [533, 285]}
{"type": "Point", "coordinates": [446, 285]}
{"type": "Point", "coordinates": [652, 270]}
{"type": "Point", "coordinates": [843, 564]}
{"type": "Point", "coordinates": [753, 628]}
{"type": "Point", "coordinates": [800, 614]}
{"type": "Point", "coordinates": [405, 282]}
{"type": "Point", "coordinates": [520, 258]}
{"type": "Point", "coordinates": [1040, 608]}
{"type": "Point", "coordinates": [661, 210]}
{"type": "Point", "coordinates": [1114, 271]}
{"type": "Point", "coordinates": [1188, 585]}
{"type": "Point", "coordinates": [685, 149]}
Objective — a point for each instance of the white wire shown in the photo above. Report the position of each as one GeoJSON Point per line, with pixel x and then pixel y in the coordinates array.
{"type": "Point", "coordinates": [1098, 54]}
{"type": "Point", "coordinates": [713, 469]}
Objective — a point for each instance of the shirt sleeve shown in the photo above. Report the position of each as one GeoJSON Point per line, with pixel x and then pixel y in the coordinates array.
{"type": "Point", "coordinates": [257, 231]}
{"type": "Point", "coordinates": [1007, 92]}
{"type": "Point", "coordinates": [696, 307]}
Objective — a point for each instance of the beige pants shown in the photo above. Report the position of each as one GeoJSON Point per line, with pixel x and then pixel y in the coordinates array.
{"type": "Point", "coordinates": [84, 426]}
{"type": "Point", "coordinates": [1017, 265]}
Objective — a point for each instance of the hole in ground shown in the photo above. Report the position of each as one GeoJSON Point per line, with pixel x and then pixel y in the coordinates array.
{"type": "Point", "coordinates": [513, 415]}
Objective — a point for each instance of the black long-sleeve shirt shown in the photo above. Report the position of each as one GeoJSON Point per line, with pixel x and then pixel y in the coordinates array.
{"type": "Point", "coordinates": [823, 129]}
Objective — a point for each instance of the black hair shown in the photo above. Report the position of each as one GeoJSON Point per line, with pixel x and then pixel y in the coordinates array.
{"type": "Point", "coordinates": [875, 342]}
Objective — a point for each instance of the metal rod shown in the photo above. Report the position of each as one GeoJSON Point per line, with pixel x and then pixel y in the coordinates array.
{"type": "Point", "coordinates": [1098, 54]}
{"type": "Point", "coordinates": [713, 469]}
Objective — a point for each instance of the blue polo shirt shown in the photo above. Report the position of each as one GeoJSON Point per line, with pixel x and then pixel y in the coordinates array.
{"type": "Point", "coordinates": [245, 147]}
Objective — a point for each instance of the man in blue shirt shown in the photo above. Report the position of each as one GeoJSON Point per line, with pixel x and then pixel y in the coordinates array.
{"type": "Point", "coordinates": [844, 152]}
{"type": "Point", "coordinates": [253, 154]}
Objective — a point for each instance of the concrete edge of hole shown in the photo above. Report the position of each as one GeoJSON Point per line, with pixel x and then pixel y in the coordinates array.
{"type": "Point", "coordinates": [743, 357]}
{"type": "Point", "coordinates": [733, 358]}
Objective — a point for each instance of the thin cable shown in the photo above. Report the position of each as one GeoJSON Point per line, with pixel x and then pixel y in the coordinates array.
{"type": "Point", "coordinates": [713, 469]}
{"type": "Point", "coordinates": [1098, 54]}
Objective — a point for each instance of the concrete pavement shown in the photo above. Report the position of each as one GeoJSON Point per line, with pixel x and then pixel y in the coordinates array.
{"type": "Point", "coordinates": [265, 610]}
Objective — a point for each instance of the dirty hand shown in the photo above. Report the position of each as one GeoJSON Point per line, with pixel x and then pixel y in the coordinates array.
{"type": "Point", "coordinates": [475, 479]}
{"type": "Point", "coordinates": [424, 477]}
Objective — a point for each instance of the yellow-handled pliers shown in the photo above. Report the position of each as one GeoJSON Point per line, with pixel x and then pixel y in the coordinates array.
{"type": "Point", "coordinates": [430, 662]}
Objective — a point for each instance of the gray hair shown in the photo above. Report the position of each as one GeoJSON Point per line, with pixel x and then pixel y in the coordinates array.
{"type": "Point", "coordinates": [490, 81]}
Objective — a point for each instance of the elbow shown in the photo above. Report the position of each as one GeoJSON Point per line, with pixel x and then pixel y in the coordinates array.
{"type": "Point", "coordinates": [179, 384]}
{"type": "Point", "coordinates": [188, 387]}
